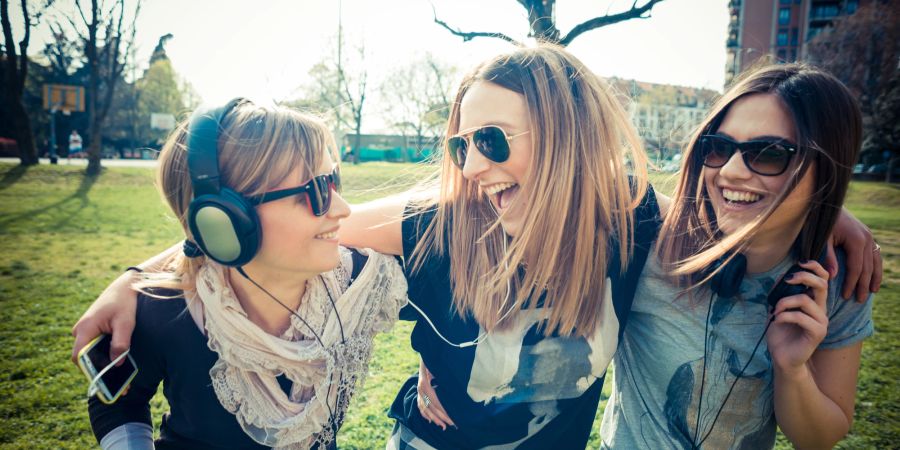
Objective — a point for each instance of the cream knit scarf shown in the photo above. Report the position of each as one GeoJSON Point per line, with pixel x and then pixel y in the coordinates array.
{"type": "Point", "coordinates": [323, 378]}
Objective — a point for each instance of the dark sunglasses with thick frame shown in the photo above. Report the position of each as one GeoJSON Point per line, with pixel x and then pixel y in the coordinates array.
{"type": "Point", "coordinates": [491, 140]}
{"type": "Point", "coordinates": [317, 192]}
{"type": "Point", "coordinates": [767, 157]}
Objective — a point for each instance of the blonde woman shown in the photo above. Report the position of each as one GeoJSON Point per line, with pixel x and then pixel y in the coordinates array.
{"type": "Point", "coordinates": [261, 340]}
{"type": "Point", "coordinates": [521, 271]}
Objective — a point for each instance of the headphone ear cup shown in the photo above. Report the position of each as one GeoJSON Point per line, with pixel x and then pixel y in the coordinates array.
{"type": "Point", "coordinates": [726, 282]}
{"type": "Point", "coordinates": [226, 227]}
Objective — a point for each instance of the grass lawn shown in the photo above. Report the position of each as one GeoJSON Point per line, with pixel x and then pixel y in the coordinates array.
{"type": "Point", "coordinates": [66, 237]}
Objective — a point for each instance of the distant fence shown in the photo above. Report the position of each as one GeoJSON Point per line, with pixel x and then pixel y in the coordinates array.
{"type": "Point", "coordinates": [390, 147]}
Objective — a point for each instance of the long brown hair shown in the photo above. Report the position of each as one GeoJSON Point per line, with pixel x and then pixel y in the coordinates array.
{"type": "Point", "coordinates": [580, 197]}
{"type": "Point", "coordinates": [258, 148]}
{"type": "Point", "coordinates": [829, 135]}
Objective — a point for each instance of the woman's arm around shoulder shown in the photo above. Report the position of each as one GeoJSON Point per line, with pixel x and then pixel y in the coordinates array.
{"type": "Point", "coordinates": [113, 312]}
{"type": "Point", "coordinates": [376, 225]}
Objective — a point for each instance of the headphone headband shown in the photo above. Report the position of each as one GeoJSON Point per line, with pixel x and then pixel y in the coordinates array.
{"type": "Point", "coordinates": [224, 225]}
{"type": "Point", "coordinates": [202, 142]}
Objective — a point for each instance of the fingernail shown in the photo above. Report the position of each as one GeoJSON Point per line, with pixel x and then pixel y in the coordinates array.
{"type": "Point", "coordinates": [805, 261]}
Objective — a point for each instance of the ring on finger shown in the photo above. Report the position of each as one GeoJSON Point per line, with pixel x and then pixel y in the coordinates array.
{"type": "Point", "coordinates": [877, 248]}
{"type": "Point", "coordinates": [425, 400]}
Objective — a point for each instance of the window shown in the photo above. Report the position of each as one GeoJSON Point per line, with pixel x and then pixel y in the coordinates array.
{"type": "Point", "coordinates": [781, 55]}
{"type": "Point", "coordinates": [813, 32]}
{"type": "Point", "coordinates": [852, 5]}
{"type": "Point", "coordinates": [782, 38]}
{"type": "Point", "coordinates": [793, 54]}
{"type": "Point", "coordinates": [784, 16]}
{"type": "Point", "coordinates": [795, 36]}
{"type": "Point", "coordinates": [824, 12]}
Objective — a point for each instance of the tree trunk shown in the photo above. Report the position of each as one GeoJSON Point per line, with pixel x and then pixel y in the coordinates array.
{"type": "Point", "coordinates": [890, 168]}
{"type": "Point", "coordinates": [94, 148]}
{"type": "Point", "coordinates": [24, 135]}
{"type": "Point", "coordinates": [95, 137]}
{"type": "Point", "coordinates": [15, 73]}
{"type": "Point", "coordinates": [357, 142]}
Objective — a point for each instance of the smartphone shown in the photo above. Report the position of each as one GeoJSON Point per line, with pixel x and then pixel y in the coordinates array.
{"type": "Point", "coordinates": [94, 357]}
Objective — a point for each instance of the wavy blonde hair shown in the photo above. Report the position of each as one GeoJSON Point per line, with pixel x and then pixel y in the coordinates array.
{"type": "Point", "coordinates": [829, 136]}
{"type": "Point", "coordinates": [580, 199]}
{"type": "Point", "coordinates": [258, 148]}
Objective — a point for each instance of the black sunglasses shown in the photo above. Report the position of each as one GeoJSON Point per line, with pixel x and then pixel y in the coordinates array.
{"type": "Point", "coordinates": [317, 191]}
{"type": "Point", "coordinates": [768, 157]}
{"type": "Point", "coordinates": [490, 140]}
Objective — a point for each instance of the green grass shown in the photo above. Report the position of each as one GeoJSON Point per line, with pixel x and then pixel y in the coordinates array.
{"type": "Point", "coordinates": [66, 237]}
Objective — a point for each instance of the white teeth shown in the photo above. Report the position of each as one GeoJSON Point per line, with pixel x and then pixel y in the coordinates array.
{"type": "Point", "coordinates": [740, 196]}
{"type": "Point", "coordinates": [497, 188]}
{"type": "Point", "coordinates": [331, 235]}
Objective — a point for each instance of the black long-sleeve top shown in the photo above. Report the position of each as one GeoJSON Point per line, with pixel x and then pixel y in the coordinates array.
{"type": "Point", "coordinates": [168, 347]}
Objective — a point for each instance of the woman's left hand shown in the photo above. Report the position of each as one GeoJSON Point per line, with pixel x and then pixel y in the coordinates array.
{"type": "Point", "coordinates": [864, 263]}
{"type": "Point", "coordinates": [431, 409]}
{"type": "Point", "coordinates": [795, 335]}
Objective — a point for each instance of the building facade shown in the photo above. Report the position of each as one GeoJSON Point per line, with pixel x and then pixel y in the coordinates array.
{"type": "Point", "coordinates": [777, 28]}
{"type": "Point", "coordinates": [664, 115]}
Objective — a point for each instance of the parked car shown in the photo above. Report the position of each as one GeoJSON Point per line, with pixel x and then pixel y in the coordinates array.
{"type": "Point", "coordinates": [879, 171]}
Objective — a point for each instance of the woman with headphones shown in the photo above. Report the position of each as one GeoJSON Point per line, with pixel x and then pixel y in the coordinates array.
{"type": "Point", "coordinates": [262, 327]}
{"type": "Point", "coordinates": [523, 269]}
{"type": "Point", "coordinates": [757, 333]}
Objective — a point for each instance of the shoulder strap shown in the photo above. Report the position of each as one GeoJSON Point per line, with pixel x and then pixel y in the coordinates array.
{"type": "Point", "coordinates": [647, 221]}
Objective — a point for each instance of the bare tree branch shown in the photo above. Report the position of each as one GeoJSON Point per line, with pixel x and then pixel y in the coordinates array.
{"type": "Point", "coordinates": [81, 36]}
{"type": "Point", "coordinates": [81, 12]}
{"type": "Point", "coordinates": [9, 43]}
{"type": "Point", "coordinates": [542, 22]}
{"type": "Point", "coordinates": [468, 36]}
{"type": "Point", "coordinates": [111, 54]}
{"type": "Point", "coordinates": [636, 12]}
{"type": "Point", "coordinates": [23, 45]}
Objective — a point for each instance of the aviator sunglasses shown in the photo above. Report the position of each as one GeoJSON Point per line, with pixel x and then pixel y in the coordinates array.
{"type": "Point", "coordinates": [768, 157]}
{"type": "Point", "coordinates": [490, 140]}
{"type": "Point", "coordinates": [317, 192]}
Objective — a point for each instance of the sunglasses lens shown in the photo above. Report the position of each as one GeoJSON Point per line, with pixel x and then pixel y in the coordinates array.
{"type": "Point", "coordinates": [336, 182]}
{"type": "Point", "coordinates": [767, 158]}
{"type": "Point", "coordinates": [457, 146]}
{"type": "Point", "coordinates": [716, 151]}
{"type": "Point", "coordinates": [319, 195]}
{"type": "Point", "coordinates": [491, 142]}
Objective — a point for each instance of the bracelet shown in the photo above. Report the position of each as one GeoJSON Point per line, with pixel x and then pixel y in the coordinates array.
{"type": "Point", "coordinates": [135, 268]}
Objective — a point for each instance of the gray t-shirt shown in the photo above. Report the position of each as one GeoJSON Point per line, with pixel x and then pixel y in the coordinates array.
{"type": "Point", "coordinates": [659, 364]}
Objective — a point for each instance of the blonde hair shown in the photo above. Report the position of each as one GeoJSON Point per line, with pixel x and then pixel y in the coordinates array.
{"type": "Point", "coordinates": [258, 148]}
{"type": "Point", "coordinates": [580, 198]}
{"type": "Point", "coordinates": [829, 136]}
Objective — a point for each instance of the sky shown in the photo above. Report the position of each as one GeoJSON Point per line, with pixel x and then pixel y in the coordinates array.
{"type": "Point", "coordinates": [264, 49]}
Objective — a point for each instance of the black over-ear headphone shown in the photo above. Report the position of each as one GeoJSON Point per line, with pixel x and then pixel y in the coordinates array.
{"type": "Point", "coordinates": [223, 222]}
{"type": "Point", "coordinates": [726, 282]}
